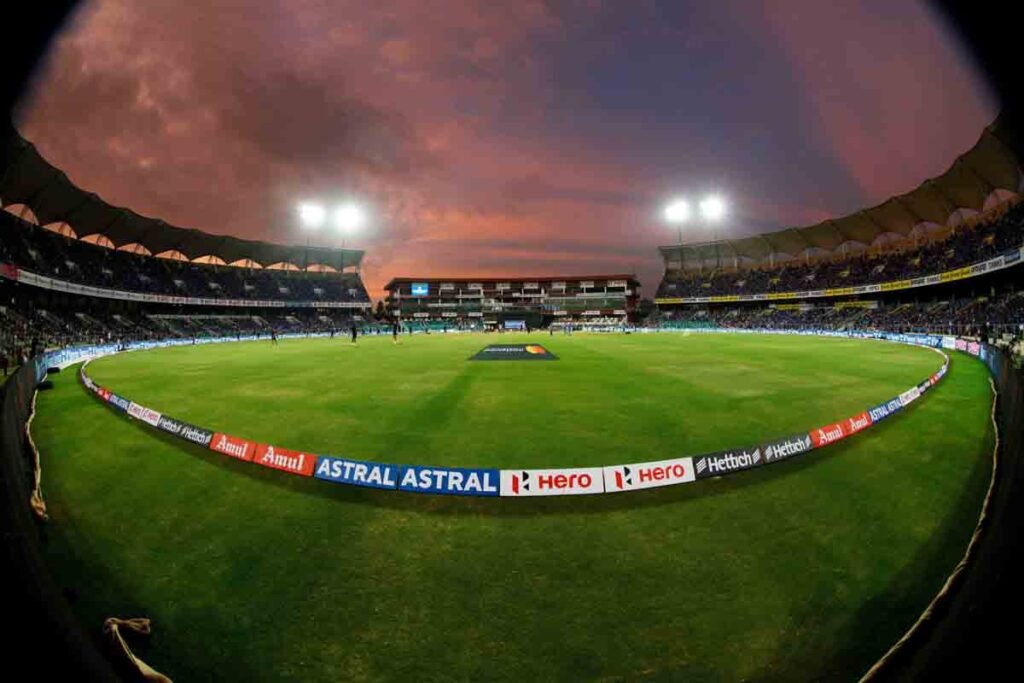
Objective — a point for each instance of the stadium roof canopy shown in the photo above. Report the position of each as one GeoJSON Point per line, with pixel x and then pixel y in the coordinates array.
{"type": "Point", "coordinates": [27, 178]}
{"type": "Point", "coordinates": [989, 166]}
{"type": "Point", "coordinates": [397, 281]}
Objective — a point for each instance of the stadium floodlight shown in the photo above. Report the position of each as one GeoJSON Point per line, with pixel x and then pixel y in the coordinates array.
{"type": "Point", "coordinates": [712, 208]}
{"type": "Point", "coordinates": [677, 211]}
{"type": "Point", "coordinates": [349, 217]}
{"type": "Point", "coordinates": [312, 215]}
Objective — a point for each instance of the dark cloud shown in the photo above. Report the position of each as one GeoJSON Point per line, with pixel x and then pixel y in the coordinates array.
{"type": "Point", "coordinates": [292, 119]}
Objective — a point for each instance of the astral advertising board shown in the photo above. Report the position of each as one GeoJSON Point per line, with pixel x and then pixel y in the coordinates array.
{"type": "Point", "coordinates": [884, 410]}
{"type": "Point", "coordinates": [119, 402]}
{"type": "Point", "coordinates": [455, 481]}
{"type": "Point", "coordinates": [375, 475]}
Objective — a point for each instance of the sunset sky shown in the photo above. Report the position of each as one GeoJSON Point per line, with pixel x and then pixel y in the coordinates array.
{"type": "Point", "coordinates": [503, 137]}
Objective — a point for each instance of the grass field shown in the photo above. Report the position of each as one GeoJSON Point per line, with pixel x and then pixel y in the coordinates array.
{"type": "Point", "coordinates": [807, 569]}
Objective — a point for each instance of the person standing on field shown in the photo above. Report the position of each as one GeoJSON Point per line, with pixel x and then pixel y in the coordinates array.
{"type": "Point", "coordinates": [353, 333]}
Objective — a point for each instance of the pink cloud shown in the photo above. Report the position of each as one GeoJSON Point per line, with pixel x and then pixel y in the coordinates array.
{"type": "Point", "coordinates": [886, 92]}
{"type": "Point", "coordinates": [437, 115]}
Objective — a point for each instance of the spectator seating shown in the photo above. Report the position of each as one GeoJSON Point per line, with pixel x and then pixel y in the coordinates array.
{"type": "Point", "coordinates": [964, 246]}
{"type": "Point", "coordinates": [47, 253]}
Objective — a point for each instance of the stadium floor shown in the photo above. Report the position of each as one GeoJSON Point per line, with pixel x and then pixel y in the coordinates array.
{"type": "Point", "coordinates": [806, 569]}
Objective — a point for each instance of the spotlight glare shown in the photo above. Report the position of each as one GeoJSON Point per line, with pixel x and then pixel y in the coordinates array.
{"type": "Point", "coordinates": [677, 211]}
{"type": "Point", "coordinates": [712, 208]}
{"type": "Point", "coordinates": [349, 217]}
{"type": "Point", "coordinates": [312, 215]}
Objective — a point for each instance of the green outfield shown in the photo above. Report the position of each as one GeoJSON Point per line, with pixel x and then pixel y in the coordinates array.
{"type": "Point", "coordinates": [806, 569]}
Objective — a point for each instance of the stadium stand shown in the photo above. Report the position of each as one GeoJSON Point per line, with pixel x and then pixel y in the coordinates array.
{"type": "Point", "coordinates": [969, 214]}
{"type": "Point", "coordinates": [50, 320]}
{"type": "Point", "coordinates": [965, 246]}
{"type": "Point", "coordinates": [134, 278]}
{"type": "Point", "coordinates": [42, 252]}
{"type": "Point", "coordinates": [967, 317]}
{"type": "Point", "coordinates": [945, 257]}
{"type": "Point", "coordinates": [581, 301]}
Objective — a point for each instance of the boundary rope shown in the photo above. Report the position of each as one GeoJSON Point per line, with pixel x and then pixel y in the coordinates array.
{"type": "Point", "coordinates": [954, 577]}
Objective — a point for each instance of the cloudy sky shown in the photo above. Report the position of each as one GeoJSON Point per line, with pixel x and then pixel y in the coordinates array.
{"type": "Point", "coordinates": [504, 136]}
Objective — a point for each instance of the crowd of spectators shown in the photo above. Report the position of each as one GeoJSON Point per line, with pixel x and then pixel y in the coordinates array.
{"type": "Point", "coordinates": [996, 316]}
{"type": "Point", "coordinates": [47, 253]}
{"type": "Point", "coordinates": [29, 326]}
{"type": "Point", "coordinates": [26, 330]}
{"type": "Point", "coordinates": [964, 246]}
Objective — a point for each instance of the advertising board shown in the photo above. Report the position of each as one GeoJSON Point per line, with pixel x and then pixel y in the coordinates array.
{"type": "Point", "coordinates": [727, 462]}
{"type": "Point", "coordinates": [294, 462]}
{"type": "Point", "coordinates": [781, 449]}
{"type": "Point", "coordinates": [455, 481]}
{"type": "Point", "coordinates": [375, 475]}
{"type": "Point", "coordinates": [143, 413]}
{"type": "Point", "coordinates": [647, 475]}
{"type": "Point", "coordinates": [552, 482]}
{"type": "Point", "coordinates": [828, 434]}
{"type": "Point", "coordinates": [185, 431]}
{"type": "Point", "coordinates": [233, 446]}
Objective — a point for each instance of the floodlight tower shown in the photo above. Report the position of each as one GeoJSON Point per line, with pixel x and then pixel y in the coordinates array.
{"type": "Point", "coordinates": [677, 212]}
{"type": "Point", "coordinates": [347, 218]}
